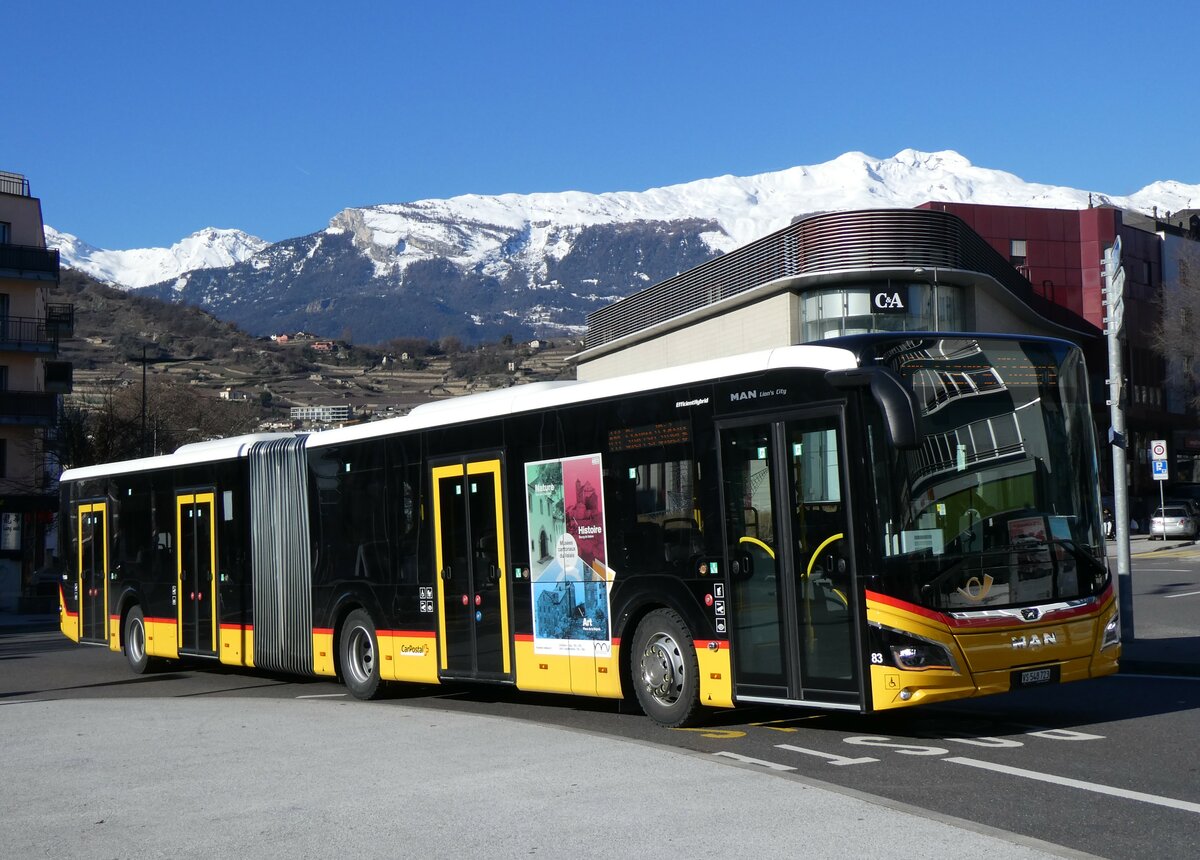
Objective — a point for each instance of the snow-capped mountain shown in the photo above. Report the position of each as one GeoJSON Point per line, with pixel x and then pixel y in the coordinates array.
{"type": "Point", "coordinates": [478, 266]}
{"type": "Point", "coordinates": [210, 248]}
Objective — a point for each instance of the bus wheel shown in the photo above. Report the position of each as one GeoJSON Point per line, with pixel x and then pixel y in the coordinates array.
{"type": "Point", "coordinates": [360, 656]}
{"type": "Point", "coordinates": [665, 672]}
{"type": "Point", "coordinates": [135, 641]}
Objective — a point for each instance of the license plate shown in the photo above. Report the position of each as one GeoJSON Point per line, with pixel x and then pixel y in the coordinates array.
{"type": "Point", "coordinates": [1035, 677]}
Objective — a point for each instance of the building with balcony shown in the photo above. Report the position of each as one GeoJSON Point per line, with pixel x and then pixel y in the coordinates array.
{"type": "Point", "coordinates": [31, 380]}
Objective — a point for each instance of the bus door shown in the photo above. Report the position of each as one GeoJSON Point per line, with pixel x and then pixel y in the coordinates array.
{"type": "Point", "coordinates": [792, 615]}
{"type": "Point", "coordinates": [472, 588]}
{"type": "Point", "coordinates": [93, 572]}
{"type": "Point", "coordinates": [197, 563]}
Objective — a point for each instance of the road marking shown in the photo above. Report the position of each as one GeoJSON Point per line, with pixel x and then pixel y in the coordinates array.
{"type": "Point", "coordinates": [829, 757]}
{"type": "Point", "coordinates": [1184, 594]}
{"type": "Point", "coordinates": [323, 696]}
{"type": "Point", "coordinates": [770, 765]}
{"type": "Point", "coordinates": [1185, 805]}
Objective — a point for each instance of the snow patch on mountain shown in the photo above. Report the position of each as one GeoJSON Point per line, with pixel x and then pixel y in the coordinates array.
{"type": "Point", "coordinates": [210, 248]}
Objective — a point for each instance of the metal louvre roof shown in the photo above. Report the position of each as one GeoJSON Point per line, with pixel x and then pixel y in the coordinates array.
{"type": "Point", "coordinates": [862, 240]}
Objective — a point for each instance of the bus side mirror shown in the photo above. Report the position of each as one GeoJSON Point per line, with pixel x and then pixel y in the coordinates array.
{"type": "Point", "coordinates": [895, 401]}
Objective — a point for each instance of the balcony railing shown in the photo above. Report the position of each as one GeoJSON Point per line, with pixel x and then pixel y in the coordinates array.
{"type": "Point", "coordinates": [29, 261]}
{"type": "Point", "coordinates": [28, 334]}
{"type": "Point", "coordinates": [61, 317]}
{"type": "Point", "coordinates": [29, 408]}
{"type": "Point", "coordinates": [13, 183]}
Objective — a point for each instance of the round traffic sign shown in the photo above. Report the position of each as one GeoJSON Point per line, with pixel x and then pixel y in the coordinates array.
{"type": "Point", "coordinates": [1158, 449]}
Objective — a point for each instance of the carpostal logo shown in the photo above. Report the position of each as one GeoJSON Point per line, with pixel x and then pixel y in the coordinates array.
{"type": "Point", "coordinates": [888, 302]}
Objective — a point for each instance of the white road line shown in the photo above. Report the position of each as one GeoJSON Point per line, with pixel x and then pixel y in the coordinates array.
{"type": "Point", "coordinates": [829, 757]}
{"type": "Point", "coordinates": [323, 696]}
{"type": "Point", "coordinates": [770, 765]}
{"type": "Point", "coordinates": [1184, 594]}
{"type": "Point", "coordinates": [1185, 805]}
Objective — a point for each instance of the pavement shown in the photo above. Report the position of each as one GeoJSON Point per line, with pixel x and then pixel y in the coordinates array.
{"type": "Point", "coordinates": [189, 777]}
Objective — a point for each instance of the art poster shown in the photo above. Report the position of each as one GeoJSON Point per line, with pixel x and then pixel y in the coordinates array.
{"type": "Point", "coordinates": [568, 556]}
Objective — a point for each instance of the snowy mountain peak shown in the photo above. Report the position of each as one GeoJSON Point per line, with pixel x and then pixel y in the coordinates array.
{"type": "Point", "coordinates": [210, 248]}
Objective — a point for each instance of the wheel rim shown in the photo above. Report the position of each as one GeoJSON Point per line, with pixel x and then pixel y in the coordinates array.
{"type": "Point", "coordinates": [135, 641]}
{"type": "Point", "coordinates": [663, 668]}
{"type": "Point", "coordinates": [360, 655]}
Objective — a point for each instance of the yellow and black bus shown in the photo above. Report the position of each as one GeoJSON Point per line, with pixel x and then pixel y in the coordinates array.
{"type": "Point", "coordinates": [874, 522]}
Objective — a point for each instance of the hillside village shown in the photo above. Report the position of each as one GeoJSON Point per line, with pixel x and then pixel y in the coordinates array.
{"type": "Point", "coordinates": [275, 375]}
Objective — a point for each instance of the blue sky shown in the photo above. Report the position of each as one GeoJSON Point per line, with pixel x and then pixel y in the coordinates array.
{"type": "Point", "coordinates": [138, 123]}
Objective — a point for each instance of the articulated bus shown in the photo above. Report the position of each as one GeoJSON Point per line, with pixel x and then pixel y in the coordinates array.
{"type": "Point", "coordinates": [874, 522]}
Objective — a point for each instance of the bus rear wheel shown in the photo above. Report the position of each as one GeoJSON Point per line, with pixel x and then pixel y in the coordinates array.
{"type": "Point", "coordinates": [666, 675]}
{"type": "Point", "coordinates": [359, 653]}
{"type": "Point", "coordinates": [135, 641]}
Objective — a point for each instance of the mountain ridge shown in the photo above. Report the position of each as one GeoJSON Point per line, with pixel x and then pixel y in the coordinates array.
{"type": "Point", "coordinates": [478, 266]}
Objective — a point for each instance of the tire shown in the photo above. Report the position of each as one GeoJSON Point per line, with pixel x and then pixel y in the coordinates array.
{"type": "Point", "coordinates": [359, 656]}
{"type": "Point", "coordinates": [663, 666]}
{"type": "Point", "coordinates": [134, 642]}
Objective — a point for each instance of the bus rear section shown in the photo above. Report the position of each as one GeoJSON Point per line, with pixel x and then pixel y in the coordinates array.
{"type": "Point", "coordinates": [987, 564]}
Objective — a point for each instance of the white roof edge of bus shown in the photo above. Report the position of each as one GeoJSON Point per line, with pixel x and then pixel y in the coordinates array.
{"type": "Point", "coordinates": [505, 401]}
{"type": "Point", "coordinates": [185, 455]}
{"type": "Point", "coordinates": [535, 396]}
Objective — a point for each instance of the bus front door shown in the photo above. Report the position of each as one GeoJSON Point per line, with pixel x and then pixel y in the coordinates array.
{"type": "Point", "coordinates": [472, 591]}
{"type": "Point", "coordinates": [792, 616]}
{"type": "Point", "coordinates": [93, 572]}
{"type": "Point", "coordinates": [197, 564]}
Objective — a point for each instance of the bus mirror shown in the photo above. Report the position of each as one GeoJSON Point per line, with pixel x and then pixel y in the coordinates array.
{"type": "Point", "coordinates": [894, 399]}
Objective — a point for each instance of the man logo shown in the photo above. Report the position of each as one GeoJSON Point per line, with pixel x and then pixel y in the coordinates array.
{"type": "Point", "coordinates": [888, 302]}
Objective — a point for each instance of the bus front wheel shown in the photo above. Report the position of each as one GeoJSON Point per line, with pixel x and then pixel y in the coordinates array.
{"type": "Point", "coordinates": [360, 656]}
{"type": "Point", "coordinates": [665, 672]}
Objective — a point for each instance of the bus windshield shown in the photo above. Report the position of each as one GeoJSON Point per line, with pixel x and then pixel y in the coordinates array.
{"type": "Point", "coordinates": [999, 505]}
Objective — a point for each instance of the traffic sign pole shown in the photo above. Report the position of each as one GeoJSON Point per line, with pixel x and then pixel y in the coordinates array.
{"type": "Point", "coordinates": [1114, 300]}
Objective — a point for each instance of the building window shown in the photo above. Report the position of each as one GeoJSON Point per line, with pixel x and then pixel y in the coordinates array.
{"type": "Point", "coordinates": [841, 311]}
{"type": "Point", "coordinates": [1016, 253]}
{"type": "Point", "coordinates": [3, 458]}
{"type": "Point", "coordinates": [5, 233]}
{"type": "Point", "coordinates": [3, 377]}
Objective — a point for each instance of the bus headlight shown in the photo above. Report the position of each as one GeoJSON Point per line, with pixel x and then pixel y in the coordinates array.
{"type": "Point", "coordinates": [1112, 632]}
{"type": "Point", "coordinates": [910, 652]}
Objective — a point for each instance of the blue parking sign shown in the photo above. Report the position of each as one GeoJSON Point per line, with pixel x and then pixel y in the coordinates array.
{"type": "Point", "coordinates": [1160, 469]}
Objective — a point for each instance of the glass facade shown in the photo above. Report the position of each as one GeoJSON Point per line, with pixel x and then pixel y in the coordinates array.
{"type": "Point", "coordinates": [838, 311]}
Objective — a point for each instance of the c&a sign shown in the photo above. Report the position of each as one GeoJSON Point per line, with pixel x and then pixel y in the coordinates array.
{"type": "Point", "coordinates": [892, 300]}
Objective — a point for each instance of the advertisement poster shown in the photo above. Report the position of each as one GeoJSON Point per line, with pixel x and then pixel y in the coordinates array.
{"type": "Point", "coordinates": [1030, 559]}
{"type": "Point", "coordinates": [568, 556]}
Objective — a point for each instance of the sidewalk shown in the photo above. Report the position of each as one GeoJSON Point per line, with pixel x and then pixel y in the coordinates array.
{"type": "Point", "coordinates": [1145, 655]}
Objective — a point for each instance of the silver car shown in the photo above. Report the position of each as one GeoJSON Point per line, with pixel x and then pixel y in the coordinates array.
{"type": "Point", "coordinates": [1176, 522]}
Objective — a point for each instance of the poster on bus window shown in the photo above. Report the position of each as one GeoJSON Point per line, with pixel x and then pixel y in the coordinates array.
{"type": "Point", "coordinates": [568, 556]}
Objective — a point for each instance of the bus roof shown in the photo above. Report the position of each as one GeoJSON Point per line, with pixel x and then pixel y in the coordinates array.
{"type": "Point", "coordinates": [506, 401]}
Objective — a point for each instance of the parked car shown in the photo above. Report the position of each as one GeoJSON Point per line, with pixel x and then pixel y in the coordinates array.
{"type": "Point", "coordinates": [1172, 521]}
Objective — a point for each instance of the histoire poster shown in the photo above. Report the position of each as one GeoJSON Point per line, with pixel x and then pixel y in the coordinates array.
{"type": "Point", "coordinates": [568, 556]}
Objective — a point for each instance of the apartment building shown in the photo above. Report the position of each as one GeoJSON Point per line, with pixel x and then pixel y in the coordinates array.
{"type": "Point", "coordinates": [31, 380]}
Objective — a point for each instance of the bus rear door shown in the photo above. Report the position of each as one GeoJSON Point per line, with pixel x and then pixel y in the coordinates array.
{"type": "Point", "coordinates": [93, 572]}
{"type": "Point", "coordinates": [793, 614]}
